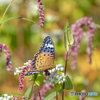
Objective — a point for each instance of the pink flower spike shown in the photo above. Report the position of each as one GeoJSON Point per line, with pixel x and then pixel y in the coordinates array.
{"type": "Point", "coordinates": [45, 88]}
{"type": "Point", "coordinates": [0, 49]}
{"type": "Point", "coordinates": [23, 97]}
{"type": "Point", "coordinates": [78, 34]}
{"type": "Point", "coordinates": [7, 56]}
{"type": "Point", "coordinates": [33, 97]}
{"type": "Point", "coordinates": [21, 79]}
{"type": "Point", "coordinates": [40, 9]}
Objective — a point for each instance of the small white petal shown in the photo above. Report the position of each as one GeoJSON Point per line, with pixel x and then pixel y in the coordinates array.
{"type": "Point", "coordinates": [53, 70]}
{"type": "Point", "coordinates": [16, 68]}
{"type": "Point", "coordinates": [44, 81]}
{"type": "Point", "coordinates": [64, 79]}
{"type": "Point", "coordinates": [58, 69]}
{"type": "Point", "coordinates": [63, 74]}
{"type": "Point", "coordinates": [1, 98]}
{"type": "Point", "coordinates": [9, 97]}
{"type": "Point", "coordinates": [62, 69]}
{"type": "Point", "coordinates": [59, 82]}
{"type": "Point", "coordinates": [50, 71]}
{"type": "Point", "coordinates": [15, 73]}
{"type": "Point", "coordinates": [60, 64]}
{"type": "Point", "coordinates": [5, 95]}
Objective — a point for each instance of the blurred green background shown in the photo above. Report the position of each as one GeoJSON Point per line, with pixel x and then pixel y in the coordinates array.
{"type": "Point", "coordinates": [24, 39]}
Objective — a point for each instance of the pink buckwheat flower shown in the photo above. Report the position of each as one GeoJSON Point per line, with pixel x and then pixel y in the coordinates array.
{"type": "Point", "coordinates": [23, 97]}
{"type": "Point", "coordinates": [78, 34]}
{"type": "Point", "coordinates": [14, 98]}
{"type": "Point", "coordinates": [21, 79]}
{"type": "Point", "coordinates": [0, 49]}
{"type": "Point", "coordinates": [82, 97]}
{"type": "Point", "coordinates": [40, 9]}
{"type": "Point", "coordinates": [45, 88]}
{"type": "Point", "coordinates": [33, 97]}
{"type": "Point", "coordinates": [7, 56]}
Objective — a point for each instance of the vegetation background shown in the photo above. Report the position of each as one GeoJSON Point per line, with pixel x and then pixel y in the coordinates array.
{"type": "Point", "coordinates": [24, 39]}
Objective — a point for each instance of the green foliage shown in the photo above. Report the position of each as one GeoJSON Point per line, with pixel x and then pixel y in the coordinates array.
{"type": "Point", "coordinates": [32, 78]}
{"type": "Point", "coordinates": [39, 78]}
{"type": "Point", "coordinates": [50, 96]}
{"type": "Point", "coordinates": [68, 38]}
{"type": "Point", "coordinates": [12, 32]}
{"type": "Point", "coordinates": [58, 87]}
{"type": "Point", "coordinates": [68, 83]}
{"type": "Point", "coordinates": [29, 90]}
{"type": "Point", "coordinates": [17, 18]}
{"type": "Point", "coordinates": [59, 73]}
{"type": "Point", "coordinates": [15, 94]}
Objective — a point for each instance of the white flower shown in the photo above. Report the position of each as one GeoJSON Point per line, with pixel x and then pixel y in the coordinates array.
{"type": "Point", "coordinates": [55, 78]}
{"type": "Point", "coordinates": [19, 69]}
{"type": "Point", "coordinates": [53, 70]}
{"type": "Point", "coordinates": [62, 69]}
{"type": "Point", "coordinates": [1, 98]}
{"type": "Point", "coordinates": [5, 95]}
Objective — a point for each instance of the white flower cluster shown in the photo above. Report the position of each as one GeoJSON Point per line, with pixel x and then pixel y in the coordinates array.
{"type": "Point", "coordinates": [6, 97]}
{"type": "Point", "coordinates": [57, 68]}
{"type": "Point", "coordinates": [19, 69]}
{"type": "Point", "coordinates": [54, 79]}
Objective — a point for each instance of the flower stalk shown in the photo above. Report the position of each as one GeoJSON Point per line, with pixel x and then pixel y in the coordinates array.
{"type": "Point", "coordinates": [66, 58]}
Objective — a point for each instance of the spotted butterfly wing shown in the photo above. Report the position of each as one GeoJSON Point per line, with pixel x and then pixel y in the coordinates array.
{"type": "Point", "coordinates": [44, 59]}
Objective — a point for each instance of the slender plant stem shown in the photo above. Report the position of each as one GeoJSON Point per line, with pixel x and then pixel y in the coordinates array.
{"type": "Point", "coordinates": [56, 95]}
{"type": "Point", "coordinates": [6, 11]}
{"type": "Point", "coordinates": [39, 93]}
{"type": "Point", "coordinates": [65, 73]}
{"type": "Point", "coordinates": [31, 92]}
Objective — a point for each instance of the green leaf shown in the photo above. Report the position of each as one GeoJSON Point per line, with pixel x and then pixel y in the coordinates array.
{"type": "Point", "coordinates": [60, 91]}
{"type": "Point", "coordinates": [27, 93]}
{"type": "Point", "coordinates": [68, 83]}
{"type": "Point", "coordinates": [59, 73]}
{"type": "Point", "coordinates": [17, 18]}
{"type": "Point", "coordinates": [50, 96]}
{"type": "Point", "coordinates": [68, 38]}
{"type": "Point", "coordinates": [39, 78]}
{"type": "Point", "coordinates": [57, 87]}
{"type": "Point", "coordinates": [32, 78]}
{"type": "Point", "coordinates": [15, 94]}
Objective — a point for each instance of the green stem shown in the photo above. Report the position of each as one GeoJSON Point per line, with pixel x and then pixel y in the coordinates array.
{"type": "Point", "coordinates": [56, 95]}
{"type": "Point", "coordinates": [65, 73]}
{"type": "Point", "coordinates": [39, 93]}
{"type": "Point", "coordinates": [31, 92]}
{"type": "Point", "coordinates": [6, 10]}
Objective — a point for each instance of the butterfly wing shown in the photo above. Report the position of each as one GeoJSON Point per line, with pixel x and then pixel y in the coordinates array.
{"type": "Point", "coordinates": [45, 58]}
{"type": "Point", "coordinates": [48, 46]}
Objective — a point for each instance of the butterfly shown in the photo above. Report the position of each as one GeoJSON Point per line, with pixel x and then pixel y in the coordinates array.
{"type": "Point", "coordinates": [44, 59]}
